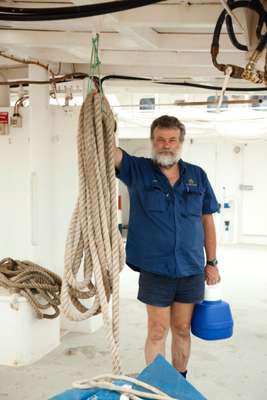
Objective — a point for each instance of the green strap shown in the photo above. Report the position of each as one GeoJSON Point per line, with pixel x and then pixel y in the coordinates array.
{"type": "Point", "coordinates": [94, 66]}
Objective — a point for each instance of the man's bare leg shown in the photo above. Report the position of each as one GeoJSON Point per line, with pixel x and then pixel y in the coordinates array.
{"type": "Point", "coordinates": [181, 315]}
{"type": "Point", "coordinates": [158, 319]}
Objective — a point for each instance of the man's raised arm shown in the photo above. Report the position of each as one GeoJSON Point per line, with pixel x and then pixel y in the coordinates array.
{"type": "Point", "coordinates": [117, 155]}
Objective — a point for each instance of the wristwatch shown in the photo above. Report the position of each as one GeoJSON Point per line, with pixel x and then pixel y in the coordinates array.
{"type": "Point", "coordinates": [213, 262]}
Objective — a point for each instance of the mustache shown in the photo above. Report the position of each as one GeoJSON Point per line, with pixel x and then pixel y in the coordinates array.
{"type": "Point", "coordinates": [165, 158]}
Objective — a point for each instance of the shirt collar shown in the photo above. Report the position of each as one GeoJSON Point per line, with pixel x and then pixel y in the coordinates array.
{"type": "Point", "coordinates": [182, 166]}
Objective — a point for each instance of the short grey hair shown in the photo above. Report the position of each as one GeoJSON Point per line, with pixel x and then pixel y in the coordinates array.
{"type": "Point", "coordinates": [169, 122]}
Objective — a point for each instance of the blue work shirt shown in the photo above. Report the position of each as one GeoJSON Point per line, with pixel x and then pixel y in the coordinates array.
{"type": "Point", "coordinates": [165, 232]}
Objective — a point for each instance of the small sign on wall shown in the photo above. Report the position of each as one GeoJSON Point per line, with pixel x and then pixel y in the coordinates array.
{"type": "Point", "coordinates": [4, 119]}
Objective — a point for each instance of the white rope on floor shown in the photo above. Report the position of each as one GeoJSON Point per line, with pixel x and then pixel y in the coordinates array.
{"type": "Point", "coordinates": [104, 382]}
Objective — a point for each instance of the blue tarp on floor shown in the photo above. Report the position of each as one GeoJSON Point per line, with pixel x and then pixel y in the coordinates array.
{"type": "Point", "coordinates": [160, 374]}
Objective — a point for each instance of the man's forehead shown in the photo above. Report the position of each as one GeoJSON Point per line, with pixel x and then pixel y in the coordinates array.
{"type": "Point", "coordinates": [167, 132]}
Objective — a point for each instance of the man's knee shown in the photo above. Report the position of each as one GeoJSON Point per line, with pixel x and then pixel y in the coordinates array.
{"type": "Point", "coordinates": [181, 329]}
{"type": "Point", "coordinates": [157, 331]}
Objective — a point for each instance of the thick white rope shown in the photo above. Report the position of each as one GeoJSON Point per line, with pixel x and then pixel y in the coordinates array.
{"type": "Point", "coordinates": [104, 382]}
{"type": "Point", "coordinates": [94, 247]}
{"type": "Point", "coordinates": [228, 72]}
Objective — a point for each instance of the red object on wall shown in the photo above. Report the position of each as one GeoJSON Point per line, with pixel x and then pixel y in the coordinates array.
{"type": "Point", "coordinates": [119, 202]}
{"type": "Point", "coordinates": [4, 117]}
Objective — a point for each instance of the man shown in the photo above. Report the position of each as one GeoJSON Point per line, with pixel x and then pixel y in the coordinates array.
{"type": "Point", "coordinates": [170, 224]}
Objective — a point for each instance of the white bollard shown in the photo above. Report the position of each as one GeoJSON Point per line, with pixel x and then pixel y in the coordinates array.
{"type": "Point", "coordinates": [24, 338]}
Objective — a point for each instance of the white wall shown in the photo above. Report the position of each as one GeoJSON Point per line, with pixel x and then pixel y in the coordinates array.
{"type": "Point", "coordinates": [253, 214]}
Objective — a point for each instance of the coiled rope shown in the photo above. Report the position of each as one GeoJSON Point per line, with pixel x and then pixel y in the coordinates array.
{"type": "Point", "coordinates": [94, 247]}
{"type": "Point", "coordinates": [38, 285]}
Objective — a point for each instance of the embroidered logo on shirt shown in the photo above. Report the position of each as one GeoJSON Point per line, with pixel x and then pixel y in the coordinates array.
{"type": "Point", "coordinates": [191, 182]}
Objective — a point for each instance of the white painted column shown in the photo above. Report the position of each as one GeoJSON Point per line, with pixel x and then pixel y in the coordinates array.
{"type": "Point", "coordinates": [4, 93]}
{"type": "Point", "coordinates": [40, 170]}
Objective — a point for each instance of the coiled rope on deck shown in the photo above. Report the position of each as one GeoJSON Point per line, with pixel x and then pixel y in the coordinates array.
{"type": "Point", "coordinates": [38, 285]}
{"type": "Point", "coordinates": [94, 246]}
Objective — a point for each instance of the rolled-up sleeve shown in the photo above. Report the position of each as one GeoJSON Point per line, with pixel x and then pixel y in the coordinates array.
{"type": "Point", "coordinates": [128, 171]}
{"type": "Point", "coordinates": [210, 203]}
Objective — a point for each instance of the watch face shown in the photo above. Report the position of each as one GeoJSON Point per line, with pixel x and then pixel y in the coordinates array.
{"type": "Point", "coordinates": [213, 262]}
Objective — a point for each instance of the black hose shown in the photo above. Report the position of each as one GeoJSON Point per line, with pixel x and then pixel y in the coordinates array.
{"type": "Point", "coordinates": [80, 75]}
{"type": "Point", "coordinates": [230, 28]}
{"type": "Point", "coordinates": [254, 5]}
{"type": "Point", "coordinates": [262, 44]}
{"type": "Point", "coordinates": [217, 29]}
{"type": "Point", "coordinates": [127, 77]}
{"type": "Point", "coordinates": [188, 84]}
{"type": "Point", "coordinates": [262, 19]}
{"type": "Point", "coordinates": [57, 13]}
{"type": "Point", "coordinates": [232, 36]}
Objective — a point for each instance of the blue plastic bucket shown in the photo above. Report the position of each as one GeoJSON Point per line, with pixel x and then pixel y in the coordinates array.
{"type": "Point", "coordinates": [212, 320]}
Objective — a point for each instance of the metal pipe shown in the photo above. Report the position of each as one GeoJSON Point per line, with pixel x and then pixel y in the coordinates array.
{"type": "Point", "coordinates": [196, 103]}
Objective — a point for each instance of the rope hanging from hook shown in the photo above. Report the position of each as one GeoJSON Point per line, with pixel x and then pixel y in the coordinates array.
{"type": "Point", "coordinates": [94, 253]}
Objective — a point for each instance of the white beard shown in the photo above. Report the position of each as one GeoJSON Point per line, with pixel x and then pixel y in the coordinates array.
{"type": "Point", "coordinates": [166, 160]}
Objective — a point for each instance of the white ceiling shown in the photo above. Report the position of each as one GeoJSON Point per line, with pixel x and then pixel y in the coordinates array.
{"type": "Point", "coordinates": [169, 40]}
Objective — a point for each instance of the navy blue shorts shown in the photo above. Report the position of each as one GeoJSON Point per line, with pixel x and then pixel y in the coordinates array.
{"type": "Point", "coordinates": [162, 291]}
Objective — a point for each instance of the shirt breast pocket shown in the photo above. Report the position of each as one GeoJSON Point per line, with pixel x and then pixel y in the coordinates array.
{"type": "Point", "coordinates": [155, 200]}
{"type": "Point", "coordinates": [194, 201]}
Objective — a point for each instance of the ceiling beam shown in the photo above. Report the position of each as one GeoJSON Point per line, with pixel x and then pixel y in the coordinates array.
{"type": "Point", "coordinates": [15, 73]}
{"type": "Point", "coordinates": [116, 41]}
{"type": "Point", "coordinates": [167, 58]}
{"type": "Point", "coordinates": [163, 15]}
{"type": "Point", "coordinates": [156, 71]}
{"type": "Point", "coordinates": [144, 37]}
{"type": "Point", "coordinates": [134, 57]}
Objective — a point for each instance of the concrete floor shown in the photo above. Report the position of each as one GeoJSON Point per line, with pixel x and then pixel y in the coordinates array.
{"type": "Point", "coordinates": [234, 369]}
